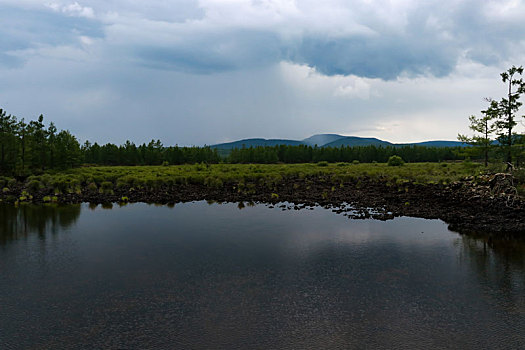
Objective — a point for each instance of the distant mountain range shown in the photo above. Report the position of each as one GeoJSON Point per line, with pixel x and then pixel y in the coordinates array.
{"type": "Point", "coordinates": [330, 140]}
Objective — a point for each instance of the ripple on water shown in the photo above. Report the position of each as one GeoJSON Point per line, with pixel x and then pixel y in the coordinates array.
{"type": "Point", "coordinates": [213, 276]}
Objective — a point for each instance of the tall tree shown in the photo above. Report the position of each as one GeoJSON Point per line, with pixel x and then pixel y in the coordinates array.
{"type": "Point", "coordinates": [51, 143]}
{"type": "Point", "coordinates": [509, 106]}
{"type": "Point", "coordinates": [484, 126]}
{"type": "Point", "coordinates": [21, 130]}
{"type": "Point", "coordinates": [37, 143]}
{"type": "Point", "coordinates": [67, 150]}
{"type": "Point", "coordinates": [8, 142]}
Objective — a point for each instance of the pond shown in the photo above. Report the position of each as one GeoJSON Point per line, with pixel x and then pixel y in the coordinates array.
{"type": "Point", "coordinates": [211, 276]}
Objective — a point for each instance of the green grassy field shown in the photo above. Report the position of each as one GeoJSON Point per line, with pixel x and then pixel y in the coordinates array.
{"type": "Point", "coordinates": [113, 177]}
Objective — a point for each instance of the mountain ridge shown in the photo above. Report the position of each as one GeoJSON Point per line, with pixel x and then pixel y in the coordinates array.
{"type": "Point", "coordinates": [331, 140]}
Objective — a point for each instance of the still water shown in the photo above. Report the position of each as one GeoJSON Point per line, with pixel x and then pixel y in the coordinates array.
{"type": "Point", "coordinates": [201, 276]}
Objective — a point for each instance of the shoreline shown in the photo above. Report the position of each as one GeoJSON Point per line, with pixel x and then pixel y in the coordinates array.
{"type": "Point", "coordinates": [469, 206]}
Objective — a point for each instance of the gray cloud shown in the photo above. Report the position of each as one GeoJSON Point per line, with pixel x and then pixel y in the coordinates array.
{"type": "Point", "coordinates": [386, 59]}
{"type": "Point", "coordinates": [375, 41]}
{"type": "Point", "coordinates": [10, 61]}
{"type": "Point", "coordinates": [213, 53]}
{"type": "Point", "coordinates": [423, 38]}
{"type": "Point", "coordinates": [191, 72]}
{"type": "Point", "coordinates": [22, 28]}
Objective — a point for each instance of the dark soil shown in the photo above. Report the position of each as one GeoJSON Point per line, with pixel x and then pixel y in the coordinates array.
{"type": "Point", "coordinates": [468, 207]}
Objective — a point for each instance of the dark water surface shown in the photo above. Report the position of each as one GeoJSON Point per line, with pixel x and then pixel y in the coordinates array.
{"type": "Point", "coordinates": [199, 276]}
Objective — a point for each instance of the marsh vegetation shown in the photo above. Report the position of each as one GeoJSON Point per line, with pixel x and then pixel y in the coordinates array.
{"type": "Point", "coordinates": [109, 178]}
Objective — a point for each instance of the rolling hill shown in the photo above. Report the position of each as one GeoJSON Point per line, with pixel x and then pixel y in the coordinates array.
{"type": "Point", "coordinates": [255, 143]}
{"type": "Point", "coordinates": [358, 141]}
{"type": "Point", "coordinates": [329, 140]}
{"type": "Point", "coordinates": [321, 139]}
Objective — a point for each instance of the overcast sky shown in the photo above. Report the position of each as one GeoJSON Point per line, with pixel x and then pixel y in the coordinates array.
{"type": "Point", "coordinates": [202, 72]}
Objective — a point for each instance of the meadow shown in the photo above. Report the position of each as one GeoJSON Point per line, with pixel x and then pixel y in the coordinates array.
{"type": "Point", "coordinates": [108, 178]}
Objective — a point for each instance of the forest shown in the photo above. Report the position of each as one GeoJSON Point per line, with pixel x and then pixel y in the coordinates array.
{"type": "Point", "coordinates": [33, 147]}
{"type": "Point", "coordinates": [362, 154]}
{"type": "Point", "coordinates": [28, 147]}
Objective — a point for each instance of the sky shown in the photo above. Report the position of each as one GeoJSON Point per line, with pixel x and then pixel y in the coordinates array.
{"type": "Point", "coordinates": [195, 72]}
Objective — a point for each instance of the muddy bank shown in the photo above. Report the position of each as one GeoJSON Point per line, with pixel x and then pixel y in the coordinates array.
{"type": "Point", "coordinates": [486, 205]}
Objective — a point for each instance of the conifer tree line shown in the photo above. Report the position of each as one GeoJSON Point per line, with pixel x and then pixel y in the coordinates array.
{"type": "Point", "coordinates": [26, 147]}
{"type": "Point", "coordinates": [495, 130]}
{"type": "Point", "coordinates": [153, 153]}
{"type": "Point", "coordinates": [32, 147]}
{"type": "Point", "coordinates": [362, 154]}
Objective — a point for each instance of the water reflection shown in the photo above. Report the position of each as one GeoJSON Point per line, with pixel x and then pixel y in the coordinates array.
{"type": "Point", "coordinates": [499, 265]}
{"type": "Point", "coordinates": [214, 276]}
{"type": "Point", "coordinates": [25, 220]}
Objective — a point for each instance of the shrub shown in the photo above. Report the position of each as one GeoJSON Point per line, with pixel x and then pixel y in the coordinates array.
{"type": "Point", "coordinates": [106, 187]}
{"type": "Point", "coordinates": [196, 179]}
{"type": "Point", "coordinates": [34, 186]}
{"type": "Point", "coordinates": [153, 183]}
{"type": "Point", "coordinates": [355, 161]}
{"type": "Point", "coordinates": [519, 175]}
{"type": "Point", "coordinates": [60, 185]}
{"type": "Point", "coordinates": [25, 196]}
{"type": "Point", "coordinates": [11, 183]}
{"type": "Point", "coordinates": [46, 179]}
{"type": "Point", "coordinates": [395, 161]}
{"type": "Point", "coordinates": [122, 183]}
{"type": "Point", "coordinates": [7, 181]}
{"type": "Point", "coordinates": [521, 190]}
{"type": "Point", "coordinates": [139, 182]}
{"type": "Point", "coordinates": [213, 182]}
{"type": "Point", "coordinates": [323, 163]}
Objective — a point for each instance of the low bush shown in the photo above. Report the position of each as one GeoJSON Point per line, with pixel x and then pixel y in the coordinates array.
{"type": "Point", "coordinates": [519, 176]}
{"type": "Point", "coordinates": [34, 186]}
{"type": "Point", "coordinates": [106, 187]}
{"type": "Point", "coordinates": [395, 161]}
{"type": "Point", "coordinates": [3, 181]}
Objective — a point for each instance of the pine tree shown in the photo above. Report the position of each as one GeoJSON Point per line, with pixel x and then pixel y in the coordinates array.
{"type": "Point", "coordinates": [485, 127]}
{"type": "Point", "coordinates": [509, 106]}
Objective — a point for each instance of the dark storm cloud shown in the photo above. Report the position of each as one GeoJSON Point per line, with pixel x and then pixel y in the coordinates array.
{"type": "Point", "coordinates": [23, 28]}
{"type": "Point", "coordinates": [426, 38]}
{"type": "Point", "coordinates": [10, 61]}
{"type": "Point", "coordinates": [385, 59]}
{"type": "Point", "coordinates": [378, 42]}
{"type": "Point", "coordinates": [196, 72]}
{"type": "Point", "coordinates": [211, 53]}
